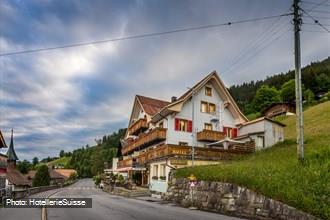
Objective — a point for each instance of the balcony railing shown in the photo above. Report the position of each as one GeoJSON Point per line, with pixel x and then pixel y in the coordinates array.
{"type": "Point", "coordinates": [203, 153]}
{"type": "Point", "coordinates": [142, 158]}
{"type": "Point", "coordinates": [176, 151]}
{"type": "Point", "coordinates": [145, 140]}
{"type": "Point", "coordinates": [125, 163]}
{"type": "Point", "coordinates": [209, 135]}
{"type": "Point", "coordinates": [138, 126]}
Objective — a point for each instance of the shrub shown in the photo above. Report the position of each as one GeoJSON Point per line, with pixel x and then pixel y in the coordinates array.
{"type": "Point", "coordinates": [162, 177]}
{"type": "Point", "coordinates": [42, 177]}
{"type": "Point", "coordinates": [97, 179]}
{"type": "Point", "coordinates": [121, 180]}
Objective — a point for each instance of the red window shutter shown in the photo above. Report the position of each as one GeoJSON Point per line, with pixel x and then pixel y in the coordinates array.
{"type": "Point", "coordinates": [234, 132]}
{"type": "Point", "coordinates": [177, 124]}
{"type": "Point", "coordinates": [225, 131]}
{"type": "Point", "coordinates": [189, 126]}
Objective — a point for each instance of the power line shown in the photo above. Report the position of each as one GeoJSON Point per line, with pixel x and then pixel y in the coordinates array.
{"type": "Point", "coordinates": [320, 11]}
{"type": "Point", "coordinates": [144, 35]}
{"type": "Point", "coordinates": [315, 31]}
{"type": "Point", "coordinates": [257, 50]}
{"type": "Point", "coordinates": [314, 3]}
{"type": "Point", "coordinates": [253, 45]}
{"type": "Point", "coordinates": [326, 25]}
{"type": "Point", "coordinates": [321, 17]}
{"type": "Point", "coordinates": [316, 21]}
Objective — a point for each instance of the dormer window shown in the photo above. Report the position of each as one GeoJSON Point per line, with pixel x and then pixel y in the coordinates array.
{"type": "Point", "coordinates": [208, 91]}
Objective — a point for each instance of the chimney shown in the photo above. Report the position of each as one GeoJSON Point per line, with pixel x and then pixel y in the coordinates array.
{"type": "Point", "coordinates": [173, 99]}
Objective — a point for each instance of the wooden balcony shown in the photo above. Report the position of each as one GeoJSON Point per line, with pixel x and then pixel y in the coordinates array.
{"type": "Point", "coordinates": [210, 136]}
{"type": "Point", "coordinates": [125, 163]}
{"type": "Point", "coordinates": [142, 159]}
{"type": "Point", "coordinates": [201, 153]}
{"type": "Point", "coordinates": [139, 126]}
{"type": "Point", "coordinates": [145, 140]}
{"type": "Point", "coordinates": [184, 152]}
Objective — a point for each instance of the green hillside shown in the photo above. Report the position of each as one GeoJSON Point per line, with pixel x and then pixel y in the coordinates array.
{"type": "Point", "coordinates": [63, 161]}
{"type": "Point", "coordinates": [277, 173]}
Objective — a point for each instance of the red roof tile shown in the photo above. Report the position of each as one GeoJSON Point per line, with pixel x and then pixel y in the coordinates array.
{"type": "Point", "coordinates": [150, 105]}
{"type": "Point", "coordinates": [16, 177]}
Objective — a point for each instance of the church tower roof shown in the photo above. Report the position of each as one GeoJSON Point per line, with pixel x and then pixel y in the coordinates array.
{"type": "Point", "coordinates": [11, 154]}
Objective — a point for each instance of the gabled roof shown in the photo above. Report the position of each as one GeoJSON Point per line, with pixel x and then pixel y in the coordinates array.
{"type": "Point", "coordinates": [292, 105]}
{"type": "Point", "coordinates": [11, 154]}
{"type": "Point", "coordinates": [15, 177]}
{"type": "Point", "coordinates": [262, 119]}
{"type": "Point", "coordinates": [65, 172]}
{"type": "Point", "coordinates": [53, 174]}
{"type": "Point", "coordinates": [150, 105]}
{"type": "Point", "coordinates": [188, 94]}
{"type": "Point", "coordinates": [2, 141]}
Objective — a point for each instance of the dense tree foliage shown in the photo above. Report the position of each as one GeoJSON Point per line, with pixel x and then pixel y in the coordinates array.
{"type": "Point", "coordinates": [288, 91]}
{"type": "Point", "coordinates": [315, 77]}
{"type": "Point", "coordinates": [35, 161]}
{"type": "Point", "coordinates": [24, 166]}
{"type": "Point", "coordinates": [90, 161]}
{"type": "Point", "coordinates": [42, 177]}
{"type": "Point", "coordinates": [264, 97]}
{"type": "Point", "coordinates": [48, 159]}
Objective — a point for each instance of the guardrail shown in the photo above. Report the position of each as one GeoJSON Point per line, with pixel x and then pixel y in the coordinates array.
{"type": "Point", "coordinates": [19, 194]}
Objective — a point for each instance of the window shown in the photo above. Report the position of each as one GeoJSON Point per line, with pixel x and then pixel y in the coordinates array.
{"type": "Point", "coordinates": [161, 124]}
{"type": "Point", "coordinates": [204, 107]}
{"type": "Point", "coordinates": [207, 107]}
{"type": "Point", "coordinates": [155, 170]}
{"type": "Point", "coordinates": [230, 132]}
{"type": "Point", "coordinates": [208, 91]}
{"type": "Point", "coordinates": [162, 170]}
{"type": "Point", "coordinates": [208, 126]}
{"type": "Point", "coordinates": [183, 143]}
{"type": "Point", "coordinates": [183, 125]}
{"type": "Point", "coordinates": [212, 108]}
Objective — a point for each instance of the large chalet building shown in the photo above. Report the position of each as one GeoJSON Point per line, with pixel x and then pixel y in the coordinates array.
{"type": "Point", "coordinates": [203, 126]}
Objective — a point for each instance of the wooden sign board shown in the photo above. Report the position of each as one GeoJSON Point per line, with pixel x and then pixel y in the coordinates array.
{"type": "Point", "coordinates": [178, 162]}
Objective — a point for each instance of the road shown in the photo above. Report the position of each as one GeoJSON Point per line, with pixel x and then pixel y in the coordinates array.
{"type": "Point", "coordinates": [110, 207]}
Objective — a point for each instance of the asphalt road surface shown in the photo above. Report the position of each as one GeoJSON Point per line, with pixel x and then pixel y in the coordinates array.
{"type": "Point", "coordinates": [109, 207]}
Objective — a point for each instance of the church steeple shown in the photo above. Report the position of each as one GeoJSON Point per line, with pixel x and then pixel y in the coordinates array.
{"type": "Point", "coordinates": [11, 154]}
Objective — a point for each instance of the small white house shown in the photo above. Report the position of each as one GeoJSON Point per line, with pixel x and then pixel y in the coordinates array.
{"type": "Point", "coordinates": [264, 131]}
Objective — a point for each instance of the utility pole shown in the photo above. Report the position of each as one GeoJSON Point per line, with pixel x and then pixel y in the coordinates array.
{"type": "Point", "coordinates": [299, 108]}
{"type": "Point", "coordinates": [193, 127]}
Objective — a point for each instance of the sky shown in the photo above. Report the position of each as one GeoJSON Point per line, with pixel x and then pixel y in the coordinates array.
{"type": "Point", "coordinates": [65, 98]}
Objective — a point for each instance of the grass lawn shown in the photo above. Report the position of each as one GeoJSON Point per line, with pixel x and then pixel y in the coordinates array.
{"type": "Point", "coordinates": [63, 161]}
{"type": "Point", "coordinates": [277, 173]}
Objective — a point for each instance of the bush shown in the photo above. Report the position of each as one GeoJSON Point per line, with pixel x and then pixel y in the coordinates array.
{"type": "Point", "coordinates": [42, 177]}
{"type": "Point", "coordinates": [97, 179]}
{"type": "Point", "coordinates": [162, 177]}
{"type": "Point", "coordinates": [73, 176]}
{"type": "Point", "coordinates": [121, 180]}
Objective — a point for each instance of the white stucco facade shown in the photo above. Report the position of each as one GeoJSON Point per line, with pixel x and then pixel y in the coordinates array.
{"type": "Point", "coordinates": [264, 132]}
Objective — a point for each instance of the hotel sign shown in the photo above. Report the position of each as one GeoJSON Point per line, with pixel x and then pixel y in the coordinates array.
{"type": "Point", "coordinates": [178, 162]}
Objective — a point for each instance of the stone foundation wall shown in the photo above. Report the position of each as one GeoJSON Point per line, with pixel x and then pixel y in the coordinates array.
{"type": "Point", "coordinates": [230, 199]}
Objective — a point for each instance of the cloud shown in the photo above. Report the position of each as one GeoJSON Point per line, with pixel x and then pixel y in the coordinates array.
{"type": "Point", "coordinates": [63, 99]}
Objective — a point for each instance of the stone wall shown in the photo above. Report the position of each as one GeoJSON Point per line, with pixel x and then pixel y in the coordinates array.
{"type": "Point", "coordinates": [230, 199]}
